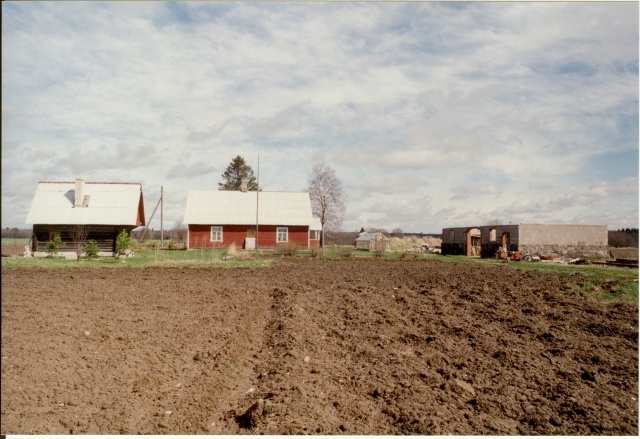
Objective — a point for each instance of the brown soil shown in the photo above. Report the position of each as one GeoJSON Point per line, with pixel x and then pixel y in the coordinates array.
{"type": "Point", "coordinates": [314, 346]}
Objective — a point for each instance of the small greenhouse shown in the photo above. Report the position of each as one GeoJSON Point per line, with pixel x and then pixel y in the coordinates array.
{"type": "Point", "coordinates": [372, 241]}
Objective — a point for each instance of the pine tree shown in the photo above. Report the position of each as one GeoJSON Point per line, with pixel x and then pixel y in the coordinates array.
{"type": "Point", "coordinates": [235, 172]}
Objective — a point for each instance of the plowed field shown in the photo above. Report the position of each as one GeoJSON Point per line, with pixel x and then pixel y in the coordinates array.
{"type": "Point", "coordinates": [315, 347]}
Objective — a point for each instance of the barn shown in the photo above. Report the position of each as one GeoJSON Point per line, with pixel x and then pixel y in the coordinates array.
{"type": "Point", "coordinates": [372, 241]}
{"type": "Point", "coordinates": [216, 219]}
{"type": "Point", "coordinates": [101, 210]}
{"type": "Point", "coordinates": [576, 240]}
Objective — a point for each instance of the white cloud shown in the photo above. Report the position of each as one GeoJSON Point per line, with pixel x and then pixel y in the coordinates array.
{"type": "Point", "coordinates": [431, 113]}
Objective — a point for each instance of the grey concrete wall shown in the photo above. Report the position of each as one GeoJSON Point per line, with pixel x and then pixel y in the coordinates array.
{"type": "Point", "coordinates": [563, 235]}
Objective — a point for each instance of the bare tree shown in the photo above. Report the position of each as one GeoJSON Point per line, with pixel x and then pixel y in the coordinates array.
{"type": "Point", "coordinates": [494, 222]}
{"type": "Point", "coordinates": [327, 198]}
{"type": "Point", "coordinates": [397, 232]}
{"type": "Point", "coordinates": [179, 233]}
{"type": "Point", "coordinates": [79, 235]}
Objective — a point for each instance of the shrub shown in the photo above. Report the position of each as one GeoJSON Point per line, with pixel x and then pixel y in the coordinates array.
{"type": "Point", "coordinates": [53, 245]}
{"type": "Point", "coordinates": [288, 249]}
{"type": "Point", "coordinates": [91, 249]}
{"type": "Point", "coordinates": [123, 242]}
{"type": "Point", "coordinates": [347, 252]}
{"type": "Point", "coordinates": [244, 255]}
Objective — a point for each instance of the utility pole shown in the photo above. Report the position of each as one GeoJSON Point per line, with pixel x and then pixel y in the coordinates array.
{"type": "Point", "coordinates": [257, 203]}
{"type": "Point", "coordinates": [161, 217]}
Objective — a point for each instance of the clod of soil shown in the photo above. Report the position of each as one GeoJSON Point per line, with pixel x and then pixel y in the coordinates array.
{"type": "Point", "coordinates": [352, 347]}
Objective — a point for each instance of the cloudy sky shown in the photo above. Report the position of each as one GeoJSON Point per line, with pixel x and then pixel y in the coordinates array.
{"type": "Point", "coordinates": [431, 114]}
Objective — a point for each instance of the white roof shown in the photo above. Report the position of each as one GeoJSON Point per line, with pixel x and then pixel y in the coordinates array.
{"type": "Point", "coordinates": [237, 207]}
{"type": "Point", "coordinates": [368, 236]}
{"type": "Point", "coordinates": [109, 204]}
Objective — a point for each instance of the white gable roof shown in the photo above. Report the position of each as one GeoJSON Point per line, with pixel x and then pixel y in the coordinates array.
{"type": "Point", "coordinates": [237, 207]}
{"type": "Point", "coordinates": [109, 204]}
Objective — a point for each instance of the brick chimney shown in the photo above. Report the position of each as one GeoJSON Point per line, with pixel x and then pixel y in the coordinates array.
{"type": "Point", "coordinates": [78, 199]}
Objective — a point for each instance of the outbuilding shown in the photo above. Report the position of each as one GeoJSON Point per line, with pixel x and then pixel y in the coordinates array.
{"type": "Point", "coordinates": [84, 210]}
{"type": "Point", "coordinates": [372, 241]}
{"type": "Point", "coordinates": [535, 239]}
{"type": "Point", "coordinates": [217, 218]}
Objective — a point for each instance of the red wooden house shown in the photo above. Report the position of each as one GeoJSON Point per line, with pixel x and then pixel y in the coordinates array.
{"type": "Point", "coordinates": [217, 218]}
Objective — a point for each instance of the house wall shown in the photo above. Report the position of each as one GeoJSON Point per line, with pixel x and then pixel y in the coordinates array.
{"type": "Point", "coordinates": [105, 236]}
{"type": "Point", "coordinates": [200, 236]}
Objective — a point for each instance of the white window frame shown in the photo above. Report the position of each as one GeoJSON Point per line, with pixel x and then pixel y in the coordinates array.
{"type": "Point", "coordinates": [284, 230]}
{"type": "Point", "coordinates": [218, 231]}
{"type": "Point", "coordinates": [313, 235]}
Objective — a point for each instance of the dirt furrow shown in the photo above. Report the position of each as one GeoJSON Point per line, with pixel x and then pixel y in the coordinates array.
{"type": "Point", "coordinates": [315, 347]}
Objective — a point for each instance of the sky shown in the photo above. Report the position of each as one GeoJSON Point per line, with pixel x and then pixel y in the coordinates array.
{"type": "Point", "coordinates": [431, 114]}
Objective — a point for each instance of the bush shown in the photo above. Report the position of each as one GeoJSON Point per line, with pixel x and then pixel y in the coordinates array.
{"type": "Point", "coordinates": [53, 245]}
{"type": "Point", "coordinates": [347, 252]}
{"type": "Point", "coordinates": [91, 249]}
{"type": "Point", "coordinates": [123, 242]}
{"type": "Point", "coordinates": [288, 249]}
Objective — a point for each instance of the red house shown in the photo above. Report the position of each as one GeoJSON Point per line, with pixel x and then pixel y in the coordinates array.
{"type": "Point", "coordinates": [217, 218]}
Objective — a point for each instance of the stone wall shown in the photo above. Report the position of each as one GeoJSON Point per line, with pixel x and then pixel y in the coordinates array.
{"type": "Point", "coordinates": [572, 251]}
{"type": "Point", "coordinates": [563, 234]}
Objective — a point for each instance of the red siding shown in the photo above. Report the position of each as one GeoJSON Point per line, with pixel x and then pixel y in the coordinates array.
{"type": "Point", "coordinates": [200, 236]}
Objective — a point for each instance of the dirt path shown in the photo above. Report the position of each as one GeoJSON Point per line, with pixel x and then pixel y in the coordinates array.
{"type": "Point", "coordinates": [314, 346]}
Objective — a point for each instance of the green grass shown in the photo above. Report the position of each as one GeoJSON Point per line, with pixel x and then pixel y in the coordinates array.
{"type": "Point", "coordinates": [626, 292]}
{"type": "Point", "coordinates": [15, 240]}
{"type": "Point", "coordinates": [145, 258]}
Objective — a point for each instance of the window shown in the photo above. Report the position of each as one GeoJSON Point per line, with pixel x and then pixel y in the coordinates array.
{"type": "Point", "coordinates": [492, 235]}
{"type": "Point", "coordinates": [452, 235]}
{"type": "Point", "coordinates": [313, 234]}
{"type": "Point", "coordinates": [216, 234]}
{"type": "Point", "coordinates": [282, 234]}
